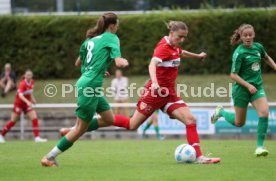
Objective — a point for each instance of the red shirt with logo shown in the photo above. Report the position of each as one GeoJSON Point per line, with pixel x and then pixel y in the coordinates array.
{"type": "Point", "coordinates": [26, 89]}
{"type": "Point", "coordinates": [169, 61]}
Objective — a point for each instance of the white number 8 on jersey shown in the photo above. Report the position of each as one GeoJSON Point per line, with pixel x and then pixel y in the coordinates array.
{"type": "Point", "coordinates": [90, 46]}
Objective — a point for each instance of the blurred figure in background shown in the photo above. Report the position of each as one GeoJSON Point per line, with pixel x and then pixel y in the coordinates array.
{"type": "Point", "coordinates": [24, 101]}
{"type": "Point", "coordinates": [120, 87]}
{"type": "Point", "coordinates": [153, 120]}
{"type": "Point", "coordinates": [7, 80]}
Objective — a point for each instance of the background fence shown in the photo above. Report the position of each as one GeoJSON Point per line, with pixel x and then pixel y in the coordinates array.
{"type": "Point", "coordinates": [54, 116]}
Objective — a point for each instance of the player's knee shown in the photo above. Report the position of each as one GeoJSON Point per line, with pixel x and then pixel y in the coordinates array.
{"type": "Point", "coordinates": [239, 124]}
{"type": "Point", "coordinates": [263, 113]}
{"type": "Point", "coordinates": [190, 120]}
{"type": "Point", "coordinates": [133, 127]}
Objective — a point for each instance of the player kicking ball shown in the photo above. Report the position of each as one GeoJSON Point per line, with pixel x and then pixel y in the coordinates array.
{"type": "Point", "coordinates": [248, 86]}
{"type": "Point", "coordinates": [163, 70]}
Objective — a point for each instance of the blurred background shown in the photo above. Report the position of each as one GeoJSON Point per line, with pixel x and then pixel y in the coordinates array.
{"type": "Point", "coordinates": [30, 6]}
{"type": "Point", "coordinates": [46, 36]}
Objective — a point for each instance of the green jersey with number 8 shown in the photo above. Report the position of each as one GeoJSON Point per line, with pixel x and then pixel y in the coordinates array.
{"type": "Point", "coordinates": [97, 54]}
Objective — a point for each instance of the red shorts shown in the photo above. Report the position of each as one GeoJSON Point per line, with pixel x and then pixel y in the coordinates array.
{"type": "Point", "coordinates": [18, 108]}
{"type": "Point", "coordinates": [149, 102]}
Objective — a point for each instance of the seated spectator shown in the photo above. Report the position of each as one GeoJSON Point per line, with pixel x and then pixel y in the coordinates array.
{"type": "Point", "coordinates": [7, 80]}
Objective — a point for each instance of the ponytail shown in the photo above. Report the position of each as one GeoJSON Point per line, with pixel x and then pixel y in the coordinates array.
{"type": "Point", "coordinates": [235, 38]}
{"type": "Point", "coordinates": [102, 24]}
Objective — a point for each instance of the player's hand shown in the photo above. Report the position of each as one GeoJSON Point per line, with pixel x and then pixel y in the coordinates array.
{"type": "Point", "coordinates": [202, 55]}
{"type": "Point", "coordinates": [155, 86]}
{"type": "Point", "coordinates": [29, 104]}
{"type": "Point", "coordinates": [252, 89]}
{"type": "Point", "coordinates": [124, 62]}
{"type": "Point", "coordinates": [106, 74]}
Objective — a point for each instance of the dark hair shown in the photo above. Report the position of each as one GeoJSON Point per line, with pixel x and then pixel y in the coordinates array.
{"type": "Point", "coordinates": [236, 37]}
{"type": "Point", "coordinates": [176, 25]}
{"type": "Point", "coordinates": [27, 70]}
{"type": "Point", "coordinates": [102, 24]}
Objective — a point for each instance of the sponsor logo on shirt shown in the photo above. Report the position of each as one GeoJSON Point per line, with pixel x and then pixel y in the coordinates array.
{"type": "Point", "coordinates": [255, 66]}
{"type": "Point", "coordinates": [176, 63]}
{"type": "Point", "coordinates": [170, 63]}
{"type": "Point", "coordinates": [143, 105]}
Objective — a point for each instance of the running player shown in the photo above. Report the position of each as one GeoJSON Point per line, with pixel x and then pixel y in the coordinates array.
{"type": "Point", "coordinates": [163, 71]}
{"type": "Point", "coordinates": [248, 86]}
{"type": "Point", "coordinates": [23, 102]}
{"type": "Point", "coordinates": [101, 50]}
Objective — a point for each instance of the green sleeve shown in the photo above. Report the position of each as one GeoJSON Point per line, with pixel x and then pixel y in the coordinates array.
{"type": "Point", "coordinates": [236, 63]}
{"type": "Point", "coordinates": [262, 50]}
{"type": "Point", "coordinates": [114, 46]}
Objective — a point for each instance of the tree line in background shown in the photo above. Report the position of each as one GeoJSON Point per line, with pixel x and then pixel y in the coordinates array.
{"type": "Point", "coordinates": [124, 5]}
{"type": "Point", "coordinates": [49, 45]}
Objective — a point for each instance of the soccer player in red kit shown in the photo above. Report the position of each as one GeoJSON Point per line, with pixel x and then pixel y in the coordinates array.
{"type": "Point", "coordinates": [23, 102]}
{"type": "Point", "coordinates": [160, 91]}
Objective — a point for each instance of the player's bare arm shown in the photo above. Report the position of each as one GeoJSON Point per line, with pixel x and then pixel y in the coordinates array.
{"type": "Point", "coordinates": [23, 98]}
{"type": "Point", "coordinates": [187, 54]}
{"type": "Point", "coordinates": [243, 83]}
{"type": "Point", "coordinates": [78, 62]}
{"type": "Point", "coordinates": [270, 62]}
{"type": "Point", "coordinates": [33, 100]}
{"type": "Point", "coordinates": [121, 62]}
{"type": "Point", "coordinates": [152, 72]}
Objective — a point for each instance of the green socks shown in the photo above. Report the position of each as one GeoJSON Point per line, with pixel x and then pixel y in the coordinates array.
{"type": "Point", "coordinates": [262, 129]}
{"type": "Point", "coordinates": [228, 116]}
{"type": "Point", "coordinates": [64, 144]}
{"type": "Point", "coordinates": [146, 127]}
{"type": "Point", "coordinates": [93, 125]}
{"type": "Point", "coordinates": [156, 128]}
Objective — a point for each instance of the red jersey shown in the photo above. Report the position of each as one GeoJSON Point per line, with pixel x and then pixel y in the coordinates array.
{"type": "Point", "coordinates": [167, 69]}
{"type": "Point", "coordinates": [25, 88]}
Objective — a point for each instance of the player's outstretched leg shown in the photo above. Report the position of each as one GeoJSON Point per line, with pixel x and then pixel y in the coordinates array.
{"type": "Point", "coordinates": [216, 115]}
{"type": "Point", "coordinates": [65, 143]}
{"type": "Point", "coordinates": [98, 122]}
{"type": "Point", "coordinates": [184, 115]}
{"type": "Point", "coordinates": [228, 116]}
{"type": "Point", "coordinates": [5, 130]}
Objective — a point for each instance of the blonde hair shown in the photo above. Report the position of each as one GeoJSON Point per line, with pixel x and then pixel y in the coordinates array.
{"type": "Point", "coordinates": [236, 37]}
{"type": "Point", "coordinates": [176, 25]}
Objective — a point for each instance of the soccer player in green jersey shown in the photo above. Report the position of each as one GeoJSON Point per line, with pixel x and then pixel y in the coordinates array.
{"type": "Point", "coordinates": [248, 86]}
{"type": "Point", "coordinates": [100, 52]}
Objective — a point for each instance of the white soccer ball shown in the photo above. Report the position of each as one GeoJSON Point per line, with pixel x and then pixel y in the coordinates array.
{"type": "Point", "coordinates": [185, 153]}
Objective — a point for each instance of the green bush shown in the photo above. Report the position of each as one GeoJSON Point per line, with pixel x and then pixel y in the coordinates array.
{"type": "Point", "coordinates": [49, 45]}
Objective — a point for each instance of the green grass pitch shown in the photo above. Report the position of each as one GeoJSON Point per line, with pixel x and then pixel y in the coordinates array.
{"type": "Point", "coordinates": [135, 160]}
